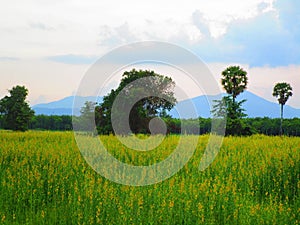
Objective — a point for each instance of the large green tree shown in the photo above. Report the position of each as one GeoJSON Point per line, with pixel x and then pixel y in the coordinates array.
{"type": "Point", "coordinates": [234, 81]}
{"type": "Point", "coordinates": [15, 111]}
{"type": "Point", "coordinates": [282, 91]}
{"type": "Point", "coordinates": [143, 110]}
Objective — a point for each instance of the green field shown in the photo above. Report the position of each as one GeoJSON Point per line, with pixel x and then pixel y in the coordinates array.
{"type": "Point", "coordinates": [45, 180]}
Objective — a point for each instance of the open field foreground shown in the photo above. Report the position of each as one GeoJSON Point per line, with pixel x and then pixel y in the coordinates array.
{"type": "Point", "coordinates": [45, 180]}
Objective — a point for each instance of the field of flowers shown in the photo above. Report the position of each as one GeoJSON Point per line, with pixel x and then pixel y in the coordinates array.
{"type": "Point", "coordinates": [45, 180]}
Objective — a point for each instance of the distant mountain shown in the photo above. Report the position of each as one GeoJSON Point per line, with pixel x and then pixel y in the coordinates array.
{"type": "Point", "coordinates": [193, 108]}
{"type": "Point", "coordinates": [259, 107]}
{"type": "Point", "coordinates": [199, 106]}
{"type": "Point", "coordinates": [255, 106]}
{"type": "Point", "coordinates": [63, 106]}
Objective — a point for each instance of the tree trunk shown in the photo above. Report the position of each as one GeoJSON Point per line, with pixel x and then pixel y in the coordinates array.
{"type": "Point", "coordinates": [281, 118]}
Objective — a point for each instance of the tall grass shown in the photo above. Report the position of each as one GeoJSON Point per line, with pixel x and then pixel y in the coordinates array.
{"type": "Point", "coordinates": [45, 180]}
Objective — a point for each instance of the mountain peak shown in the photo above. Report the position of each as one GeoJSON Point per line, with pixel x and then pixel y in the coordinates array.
{"type": "Point", "coordinates": [255, 106]}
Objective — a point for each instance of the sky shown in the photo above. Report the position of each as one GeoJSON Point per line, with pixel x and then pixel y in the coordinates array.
{"type": "Point", "coordinates": [48, 46]}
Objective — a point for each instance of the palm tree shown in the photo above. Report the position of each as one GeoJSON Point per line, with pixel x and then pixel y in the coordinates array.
{"type": "Point", "coordinates": [282, 91]}
{"type": "Point", "coordinates": [234, 81]}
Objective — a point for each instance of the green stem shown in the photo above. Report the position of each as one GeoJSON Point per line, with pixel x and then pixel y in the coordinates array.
{"type": "Point", "coordinates": [281, 118]}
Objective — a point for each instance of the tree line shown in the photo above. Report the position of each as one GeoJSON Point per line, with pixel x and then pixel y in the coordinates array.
{"type": "Point", "coordinates": [145, 95]}
{"type": "Point", "coordinates": [259, 125]}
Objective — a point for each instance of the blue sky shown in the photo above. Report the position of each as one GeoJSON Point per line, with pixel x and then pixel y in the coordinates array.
{"type": "Point", "coordinates": [270, 38]}
{"type": "Point", "coordinates": [49, 45]}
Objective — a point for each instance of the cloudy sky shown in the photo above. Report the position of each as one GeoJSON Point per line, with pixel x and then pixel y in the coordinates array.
{"type": "Point", "coordinates": [48, 46]}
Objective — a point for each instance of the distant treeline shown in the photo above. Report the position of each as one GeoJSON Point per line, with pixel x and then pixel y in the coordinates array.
{"type": "Point", "coordinates": [267, 126]}
{"type": "Point", "coordinates": [43, 122]}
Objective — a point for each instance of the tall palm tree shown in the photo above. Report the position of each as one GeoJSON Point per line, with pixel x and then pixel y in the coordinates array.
{"type": "Point", "coordinates": [234, 81]}
{"type": "Point", "coordinates": [282, 91]}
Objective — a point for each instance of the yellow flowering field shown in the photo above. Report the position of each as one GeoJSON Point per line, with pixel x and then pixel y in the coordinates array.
{"type": "Point", "coordinates": [45, 180]}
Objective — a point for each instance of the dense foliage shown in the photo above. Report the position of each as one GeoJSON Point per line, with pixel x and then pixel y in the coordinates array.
{"type": "Point", "coordinates": [15, 111]}
{"type": "Point", "coordinates": [43, 122]}
{"type": "Point", "coordinates": [159, 91]}
{"type": "Point", "coordinates": [267, 126]}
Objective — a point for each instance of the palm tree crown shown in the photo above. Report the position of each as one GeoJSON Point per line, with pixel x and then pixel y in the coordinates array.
{"type": "Point", "coordinates": [282, 91]}
{"type": "Point", "coordinates": [234, 80]}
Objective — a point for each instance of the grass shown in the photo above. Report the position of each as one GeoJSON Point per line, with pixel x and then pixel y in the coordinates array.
{"type": "Point", "coordinates": [45, 180]}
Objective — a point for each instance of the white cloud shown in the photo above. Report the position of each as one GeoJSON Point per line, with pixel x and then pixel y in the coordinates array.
{"type": "Point", "coordinates": [69, 26]}
{"type": "Point", "coordinates": [31, 30]}
{"type": "Point", "coordinates": [263, 79]}
{"type": "Point", "coordinates": [169, 30]}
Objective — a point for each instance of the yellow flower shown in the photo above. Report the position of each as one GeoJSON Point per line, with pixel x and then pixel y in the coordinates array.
{"type": "Point", "coordinates": [171, 204]}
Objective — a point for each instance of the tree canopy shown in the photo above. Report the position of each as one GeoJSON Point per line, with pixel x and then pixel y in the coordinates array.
{"type": "Point", "coordinates": [234, 80]}
{"type": "Point", "coordinates": [282, 91]}
{"type": "Point", "coordinates": [150, 94]}
{"type": "Point", "coordinates": [15, 111]}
